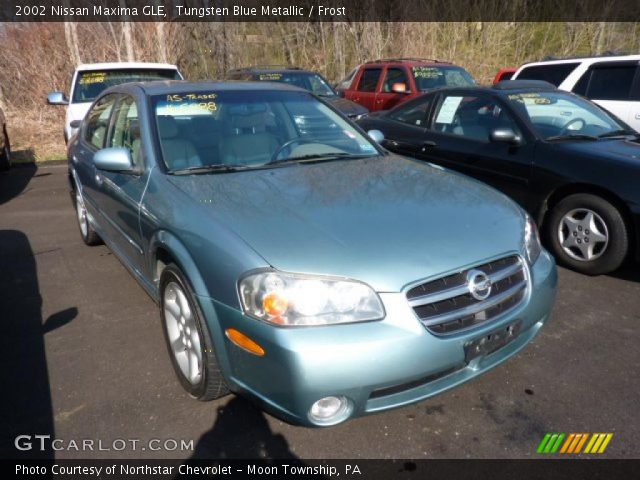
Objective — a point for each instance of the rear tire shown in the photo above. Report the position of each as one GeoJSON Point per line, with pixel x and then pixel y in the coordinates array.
{"type": "Point", "coordinates": [188, 339]}
{"type": "Point", "coordinates": [588, 234]}
{"type": "Point", "coordinates": [88, 234]}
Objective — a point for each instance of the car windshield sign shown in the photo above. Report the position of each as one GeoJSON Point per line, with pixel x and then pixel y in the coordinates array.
{"type": "Point", "coordinates": [429, 77]}
{"type": "Point", "coordinates": [91, 83]}
{"type": "Point", "coordinates": [232, 131]}
{"type": "Point", "coordinates": [558, 115]}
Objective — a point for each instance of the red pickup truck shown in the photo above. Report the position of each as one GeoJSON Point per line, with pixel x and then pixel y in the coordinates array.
{"type": "Point", "coordinates": [383, 84]}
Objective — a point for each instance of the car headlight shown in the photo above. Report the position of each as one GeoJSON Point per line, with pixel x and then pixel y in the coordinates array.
{"type": "Point", "coordinates": [291, 300]}
{"type": "Point", "coordinates": [532, 246]}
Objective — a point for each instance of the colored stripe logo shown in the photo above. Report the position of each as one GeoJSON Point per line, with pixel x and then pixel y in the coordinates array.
{"type": "Point", "coordinates": [574, 443]}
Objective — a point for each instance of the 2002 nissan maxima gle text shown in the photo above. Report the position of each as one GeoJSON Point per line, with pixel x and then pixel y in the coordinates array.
{"type": "Point", "coordinates": [293, 259]}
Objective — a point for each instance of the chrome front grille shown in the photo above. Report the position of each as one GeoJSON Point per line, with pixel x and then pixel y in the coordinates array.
{"type": "Point", "coordinates": [451, 303]}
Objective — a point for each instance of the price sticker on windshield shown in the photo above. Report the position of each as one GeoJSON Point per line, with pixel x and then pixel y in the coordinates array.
{"type": "Point", "coordinates": [448, 110]}
{"type": "Point", "coordinates": [93, 77]}
{"type": "Point", "coordinates": [274, 77]}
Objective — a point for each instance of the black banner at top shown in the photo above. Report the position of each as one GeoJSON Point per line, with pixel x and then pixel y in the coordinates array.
{"type": "Point", "coordinates": [319, 10]}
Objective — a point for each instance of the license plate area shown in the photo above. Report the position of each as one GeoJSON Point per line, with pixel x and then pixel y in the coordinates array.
{"type": "Point", "coordinates": [491, 342]}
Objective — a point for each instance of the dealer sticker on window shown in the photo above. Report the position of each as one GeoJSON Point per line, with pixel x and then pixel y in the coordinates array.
{"type": "Point", "coordinates": [448, 110]}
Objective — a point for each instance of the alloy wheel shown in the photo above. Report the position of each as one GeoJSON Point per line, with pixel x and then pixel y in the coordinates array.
{"type": "Point", "coordinates": [81, 211]}
{"type": "Point", "coordinates": [583, 234]}
{"type": "Point", "coordinates": [183, 333]}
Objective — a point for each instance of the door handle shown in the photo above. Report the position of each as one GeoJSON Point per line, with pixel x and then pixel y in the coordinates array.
{"type": "Point", "coordinates": [428, 145]}
{"type": "Point", "coordinates": [97, 175]}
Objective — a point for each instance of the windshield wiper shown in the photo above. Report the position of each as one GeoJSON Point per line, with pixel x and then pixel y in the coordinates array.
{"type": "Point", "coordinates": [216, 168]}
{"type": "Point", "coordinates": [314, 157]}
{"type": "Point", "coordinates": [623, 132]}
{"type": "Point", "coordinates": [576, 136]}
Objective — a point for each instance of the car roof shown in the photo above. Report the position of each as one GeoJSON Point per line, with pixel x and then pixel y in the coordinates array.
{"type": "Point", "coordinates": [122, 65]}
{"type": "Point", "coordinates": [166, 87]}
{"type": "Point", "coordinates": [409, 62]}
{"type": "Point", "coordinates": [587, 59]}
{"type": "Point", "coordinates": [505, 87]}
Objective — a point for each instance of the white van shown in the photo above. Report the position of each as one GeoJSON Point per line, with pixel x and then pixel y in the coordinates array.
{"type": "Point", "coordinates": [613, 82]}
{"type": "Point", "coordinates": [89, 80]}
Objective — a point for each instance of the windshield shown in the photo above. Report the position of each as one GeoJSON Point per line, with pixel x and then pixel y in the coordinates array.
{"type": "Point", "coordinates": [428, 78]}
{"type": "Point", "coordinates": [250, 129]}
{"type": "Point", "coordinates": [309, 81]}
{"type": "Point", "coordinates": [558, 114]}
{"type": "Point", "coordinates": [91, 83]}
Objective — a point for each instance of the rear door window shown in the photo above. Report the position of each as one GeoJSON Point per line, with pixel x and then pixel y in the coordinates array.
{"type": "Point", "coordinates": [369, 80]}
{"type": "Point", "coordinates": [554, 74]}
{"type": "Point", "coordinates": [413, 113]}
{"type": "Point", "coordinates": [346, 82]}
{"type": "Point", "coordinates": [607, 82]}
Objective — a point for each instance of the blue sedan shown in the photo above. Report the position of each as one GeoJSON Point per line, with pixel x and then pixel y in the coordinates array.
{"type": "Point", "coordinates": [293, 259]}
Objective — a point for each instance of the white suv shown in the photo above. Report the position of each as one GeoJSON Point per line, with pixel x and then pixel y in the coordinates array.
{"type": "Point", "coordinates": [89, 80]}
{"type": "Point", "coordinates": [611, 81]}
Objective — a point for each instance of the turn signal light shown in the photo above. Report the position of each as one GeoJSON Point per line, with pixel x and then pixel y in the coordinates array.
{"type": "Point", "coordinates": [274, 304]}
{"type": "Point", "coordinates": [241, 340]}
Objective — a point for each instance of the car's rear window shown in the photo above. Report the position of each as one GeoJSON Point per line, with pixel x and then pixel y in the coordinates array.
{"type": "Point", "coordinates": [554, 73]}
{"type": "Point", "coordinates": [430, 77]}
{"type": "Point", "coordinates": [91, 83]}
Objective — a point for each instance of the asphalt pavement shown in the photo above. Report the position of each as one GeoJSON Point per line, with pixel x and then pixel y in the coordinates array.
{"type": "Point", "coordinates": [83, 360]}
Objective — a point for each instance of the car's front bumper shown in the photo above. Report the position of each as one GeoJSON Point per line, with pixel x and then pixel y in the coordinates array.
{"type": "Point", "coordinates": [376, 365]}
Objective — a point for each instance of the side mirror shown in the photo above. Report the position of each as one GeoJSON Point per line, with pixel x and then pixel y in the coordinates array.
{"type": "Point", "coordinates": [505, 135]}
{"type": "Point", "coordinates": [376, 135]}
{"type": "Point", "coordinates": [116, 159]}
{"type": "Point", "coordinates": [57, 98]}
{"type": "Point", "coordinates": [399, 88]}
{"type": "Point", "coordinates": [75, 123]}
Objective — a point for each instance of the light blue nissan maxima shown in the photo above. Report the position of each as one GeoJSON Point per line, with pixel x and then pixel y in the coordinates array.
{"type": "Point", "coordinates": [293, 259]}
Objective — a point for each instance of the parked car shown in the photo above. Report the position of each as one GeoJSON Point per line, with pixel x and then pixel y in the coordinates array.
{"type": "Point", "coordinates": [611, 81]}
{"type": "Point", "coordinates": [569, 163]}
{"type": "Point", "coordinates": [89, 80]}
{"type": "Point", "coordinates": [342, 86]}
{"type": "Point", "coordinates": [5, 145]}
{"type": "Point", "coordinates": [504, 74]}
{"type": "Point", "coordinates": [294, 260]}
{"type": "Point", "coordinates": [382, 84]}
{"type": "Point", "coordinates": [311, 81]}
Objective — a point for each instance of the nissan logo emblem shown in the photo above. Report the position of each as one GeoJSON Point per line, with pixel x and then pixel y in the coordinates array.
{"type": "Point", "coordinates": [479, 284]}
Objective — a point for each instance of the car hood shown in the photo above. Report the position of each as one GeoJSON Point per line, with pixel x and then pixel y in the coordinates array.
{"type": "Point", "coordinates": [349, 108]}
{"type": "Point", "coordinates": [387, 221]}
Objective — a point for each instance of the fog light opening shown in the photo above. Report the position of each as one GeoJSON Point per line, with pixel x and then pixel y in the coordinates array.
{"type": "Point", "coordinates": [330, 410]}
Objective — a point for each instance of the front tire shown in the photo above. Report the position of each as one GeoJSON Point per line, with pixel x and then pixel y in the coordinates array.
{"type": "Point", "coordinates": [88, 234]}
{"type": "Point", "coordinates": [188, 339]}
{"type": "Point", "coordinates": [588, 234]}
